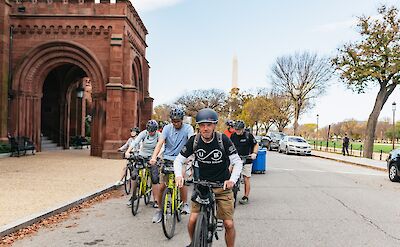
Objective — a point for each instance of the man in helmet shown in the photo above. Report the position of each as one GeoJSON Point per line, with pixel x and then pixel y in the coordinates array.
{"type": "Point", "coordinates": [148, 138]}
{"type": "Point", "coordinates": [174, 136]}
{"type": "Point", "coordinates": [214, 152]}
{"type": "Point", "coordinates": [246, 145]}
{"type": "Point", "coordinates": [134, 132]}
{"type": "Point", "coordinates": [230, 130]}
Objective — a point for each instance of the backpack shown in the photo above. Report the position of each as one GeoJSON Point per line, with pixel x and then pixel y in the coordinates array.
{"type": "Point", "coordinates": [219, 139]}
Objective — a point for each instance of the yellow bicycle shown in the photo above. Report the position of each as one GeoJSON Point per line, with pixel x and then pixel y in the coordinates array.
{"type": "Point", "coordinates": [171, 201]}
{"type": "Point", "coordinates": [142, 185]}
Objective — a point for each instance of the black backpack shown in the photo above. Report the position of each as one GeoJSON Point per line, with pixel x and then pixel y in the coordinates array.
{"type": "Point", "coordinates": [219, 139]}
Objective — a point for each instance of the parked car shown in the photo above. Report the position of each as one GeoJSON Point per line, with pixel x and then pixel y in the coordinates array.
{"type": "Point", "coordinates": [263, 141]}
{"type": "Point", "coordinates": [294, 144]}
{"type": "Point", "coordinates": [275, 138]}
{"type": "Point", "coordinates": [393, 165]}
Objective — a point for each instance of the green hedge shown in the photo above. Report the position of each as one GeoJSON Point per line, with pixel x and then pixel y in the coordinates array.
{"type": "Point", "coordinates": [4, 147]}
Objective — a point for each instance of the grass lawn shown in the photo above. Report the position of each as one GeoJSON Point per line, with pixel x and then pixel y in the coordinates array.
{"type": "Point", "coordinates": [386, 148]}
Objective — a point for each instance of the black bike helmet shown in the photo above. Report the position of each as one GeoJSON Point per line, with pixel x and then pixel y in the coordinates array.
{"type": "Point", "coordinates": [207, 115]}
{"type": "Point", "coordinates": [239, 124]}
{"type": "Point", "coordinates": [176, 114]}
{"type": "Point", "coordinates": [136, 129]}
{"type": "Point", "coordinates": [152, 125]}
{"type": "Point", "coordinates": [230, 123]}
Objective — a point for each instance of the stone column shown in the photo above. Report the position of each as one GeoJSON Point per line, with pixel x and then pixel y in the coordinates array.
{"type": "Point", "coordinates": [4, 68]}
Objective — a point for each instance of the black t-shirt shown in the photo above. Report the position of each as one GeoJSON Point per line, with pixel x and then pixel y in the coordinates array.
{"type": "Point", "coordinates": [244, 143]}
{"type": "Point", "coordinates": [213, 164]}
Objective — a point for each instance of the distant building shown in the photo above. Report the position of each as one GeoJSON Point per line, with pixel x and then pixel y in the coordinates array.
{"type": "Point", "coordinates": [51, 50]}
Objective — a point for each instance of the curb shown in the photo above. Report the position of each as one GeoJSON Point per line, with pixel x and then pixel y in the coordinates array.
{"type": "Point", "coordinates": [25, 222]}
{"type": "Point", "coordinates": [352, 163]}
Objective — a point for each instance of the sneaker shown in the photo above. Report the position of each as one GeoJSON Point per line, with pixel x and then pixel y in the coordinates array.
{"type": "Point", "coordinates": [130, 201]}
{"type": "Point", "coordinates": [119, 182]}
{"type": "Point", "coordinates": [244, 200]}
{"type": "Point", "coordinates": [190, 245]}
{"type": "Point", "coordinates": [185, 209]}
{"type": "Point", "coordinates": [155, 204]}
{"type": "Point", "coordinates": [157, 217]}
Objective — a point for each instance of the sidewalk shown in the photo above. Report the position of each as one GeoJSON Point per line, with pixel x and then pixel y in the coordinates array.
{"type": "Point", "coordinates": [34, 183]}
{"type": "Point", "coordinates": [374, 164]}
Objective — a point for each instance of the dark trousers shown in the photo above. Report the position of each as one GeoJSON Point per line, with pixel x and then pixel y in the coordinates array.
{"type": "Point", "coordinates": [345, 149]}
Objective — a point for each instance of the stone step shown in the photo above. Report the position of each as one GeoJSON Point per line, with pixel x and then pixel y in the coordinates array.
{"type": "Point", "coordinates": [52, 149]}
{"type": "Point", "coordinates": [46, 141]}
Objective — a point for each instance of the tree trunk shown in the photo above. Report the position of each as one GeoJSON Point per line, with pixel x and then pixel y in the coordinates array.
{"type": "Point", "coordinates": [380, 100]}
{"type": "Point", "coordinates": [296, 119]}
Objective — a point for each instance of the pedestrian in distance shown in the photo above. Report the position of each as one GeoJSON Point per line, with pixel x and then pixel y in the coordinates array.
{"type": "Point", "coordinates": [345, 148]}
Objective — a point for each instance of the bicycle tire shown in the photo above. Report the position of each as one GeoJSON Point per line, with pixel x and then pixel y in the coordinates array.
{"type": "Point", "coordinates": [235, 190]}
{"type": "Point", "coordinates": [168, 214]}
{"type": "Point", "coordinates": [127, 181]}
{"type": "Point", "coordinates": [147, 190]}
{"type": "Point", "coordinates": [178, 210]}
{"type": "Point", "coordinates": [135, 202]}
{"type": "Point", "coordinates": [200, 231]}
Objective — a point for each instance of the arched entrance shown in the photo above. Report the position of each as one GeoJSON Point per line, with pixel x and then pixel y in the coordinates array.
{"type": "Point", "coordinates": [43, 85]}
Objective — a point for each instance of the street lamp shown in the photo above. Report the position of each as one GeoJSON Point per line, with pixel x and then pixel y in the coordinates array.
{"type": "Point", "coordinates": [394, 127]}
{"type": "Point", "coordinates": [79, 95]}
{"type": "Point", "coordinates": [317, 126]}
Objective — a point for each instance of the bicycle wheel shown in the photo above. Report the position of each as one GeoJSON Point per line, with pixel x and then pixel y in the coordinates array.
{"type": "Point", "coordinates": [200, 231]}
{"type": "Point", "coordinates": [127, 181]}
{"type": "Point", "coordinates": [136, 197]}
{"type": "Point", "coordinates": [178, 207]}
{"type": "Point", "coordinates": [168, 216]}
{"type": "Point", "coordinates": [235, 191]}
{"type": "Point", "coordinates": [147, 189]}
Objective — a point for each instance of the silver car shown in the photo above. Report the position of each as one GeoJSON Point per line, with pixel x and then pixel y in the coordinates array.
{"type": "Point", "coordinates": [294, 145]}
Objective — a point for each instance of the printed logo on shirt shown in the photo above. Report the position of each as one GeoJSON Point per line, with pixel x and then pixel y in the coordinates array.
{"type": "Point", "coordinates": [214, 157]}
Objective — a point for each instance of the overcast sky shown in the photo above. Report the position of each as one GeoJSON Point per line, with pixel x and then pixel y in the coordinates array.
{"type": "Point", "coordinates": [192, 43]}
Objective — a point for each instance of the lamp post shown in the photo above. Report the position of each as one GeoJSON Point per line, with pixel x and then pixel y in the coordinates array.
{"type": "Point", "coordinates": [394, 122]}
{"type": "Point", "coordinates": [79, 95]}
{"type": "Point", "coordinates": [317, 126]}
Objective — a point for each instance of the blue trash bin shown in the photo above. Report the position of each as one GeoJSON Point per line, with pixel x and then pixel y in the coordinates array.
{"type": "Point", "coordinates": [260, 164]}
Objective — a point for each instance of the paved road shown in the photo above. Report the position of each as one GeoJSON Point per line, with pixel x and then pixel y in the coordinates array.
{"type": "Point", "coordinates": [301, 201]}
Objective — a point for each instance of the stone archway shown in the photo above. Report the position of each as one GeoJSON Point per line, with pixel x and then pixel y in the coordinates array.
{"type": "Point", "coordinates": [27, 87]}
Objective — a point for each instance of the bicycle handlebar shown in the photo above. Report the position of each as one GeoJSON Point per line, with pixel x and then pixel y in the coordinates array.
{"type": "Point", "coordinates": [209, 183]}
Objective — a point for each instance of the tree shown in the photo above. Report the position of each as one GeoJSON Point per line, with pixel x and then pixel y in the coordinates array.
{"type": "Point", "coordinates": [161, 112]}
{"type": "Point", "coordinates": [308, 130]}
{"type": "Point", "coordinates": [257, 111]}
{"type": "Point", "coordinates": [234, 103]}
{"type": "Point", "coordinates": [196, 100]}
{"type": "Point", "coordinates": [282, 112]}
{"type": "Point", "coordinates": [302, 77]}
{"type": "Point", "coordinates": [375, 59]}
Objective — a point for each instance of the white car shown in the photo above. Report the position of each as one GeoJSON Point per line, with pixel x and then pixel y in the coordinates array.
{"type": "Point", "coordinates": [295, 145]}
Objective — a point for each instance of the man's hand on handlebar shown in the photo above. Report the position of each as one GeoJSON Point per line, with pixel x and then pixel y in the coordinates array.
{"type": "Point", "coordinates": [228, 184]}
{"type": "Point", "coordinates": [253, 156]}
{"type": "Point", "coordinates": [152, 161]}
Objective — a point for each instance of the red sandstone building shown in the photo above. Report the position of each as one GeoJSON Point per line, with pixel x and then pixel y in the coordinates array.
{"type": "Point", "coordinates": [52, 49]}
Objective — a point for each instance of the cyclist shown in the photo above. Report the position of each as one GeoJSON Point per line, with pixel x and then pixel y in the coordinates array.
{"type": "Point", "coordinates": [149, 138]}
{"type": "Point", "coordinates": [134, 132]}
{"type": "Point", "coordinates": [246, 145]}
{"type": "Point", "coordinates": [213, 152]}
{"type": "Point", "coordinates": [230, 130]}
{"type": "Point", "coordinates": [174, 136]}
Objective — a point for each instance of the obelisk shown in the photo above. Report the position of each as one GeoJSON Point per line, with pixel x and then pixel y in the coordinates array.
{"type": "Point", "coordinates": [235, 87]}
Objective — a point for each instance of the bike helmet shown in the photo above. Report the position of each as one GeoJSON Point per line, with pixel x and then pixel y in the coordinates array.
{"type": "Point", "coordinates": [152, 125]}
{"type": "Point", "coordinates": [207, 115]}
{"type": "Point", "coordinates": [176, 114]}
{"type": "Point", "coordinates": [239, 125]}
{"type": "Point", "coordinates": [230, 123]}
{"type": "Point", "coordinates": [136, 129]}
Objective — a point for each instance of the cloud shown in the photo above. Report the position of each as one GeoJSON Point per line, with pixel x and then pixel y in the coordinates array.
{"type": "Point", "coordinates": [149, 5]}
{"type": "Point", "coordinates": [330, 27]}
